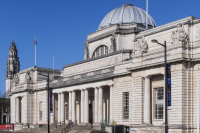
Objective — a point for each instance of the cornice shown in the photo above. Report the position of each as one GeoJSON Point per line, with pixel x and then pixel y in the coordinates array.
{"type": "Point", "coordinates": [39, 69]}
{"type": "Point", "coordinates": [29, 90]}
{"type": "Point", "coordinates": [165, 27]}
{"type": "Point", "coordinates": [118, 29]}
{"type": "Point", "coordinates": [157, 64]}
{"type": "Point", "coordinates": [100, 57]}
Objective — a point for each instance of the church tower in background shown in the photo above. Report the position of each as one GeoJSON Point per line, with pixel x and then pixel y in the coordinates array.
{"type": "Point", "coordinates": [13, 67]}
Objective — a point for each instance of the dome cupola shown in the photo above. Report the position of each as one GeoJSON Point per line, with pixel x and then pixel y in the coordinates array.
{"type": "Point", "coordinates": [127, 14]}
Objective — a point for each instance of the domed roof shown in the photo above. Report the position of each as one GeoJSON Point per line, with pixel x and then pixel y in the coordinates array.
{"type": "Point", "coordinates": [126, 14]}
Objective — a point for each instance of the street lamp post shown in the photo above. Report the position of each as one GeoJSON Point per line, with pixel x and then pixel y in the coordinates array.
{"type": "Point", "coordinates": [48, 96]}
{"type": "Point", "coordinates": [166, 91]}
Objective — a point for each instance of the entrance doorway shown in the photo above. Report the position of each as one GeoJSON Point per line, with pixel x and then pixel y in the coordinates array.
{"type": "Point", "coordinates": [90, 114]}
{"type": "Point", "coordinates": [4, 119]}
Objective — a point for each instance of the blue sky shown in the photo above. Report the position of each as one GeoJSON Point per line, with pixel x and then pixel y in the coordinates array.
{"type": "Point", "coordinates": [61, 27]}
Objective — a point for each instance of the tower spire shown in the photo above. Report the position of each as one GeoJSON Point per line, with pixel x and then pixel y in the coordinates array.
{"type": "Point", "coordinates": [13, 64]}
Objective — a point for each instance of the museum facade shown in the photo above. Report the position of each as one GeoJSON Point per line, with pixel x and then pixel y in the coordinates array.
{"type": "Point", "coordinates": [121, 78]}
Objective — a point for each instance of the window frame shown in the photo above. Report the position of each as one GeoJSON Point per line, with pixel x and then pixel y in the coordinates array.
{"type": "Point", "coordinates": [159, 102]}
{"type": "Point", "coordinates": [40, 110]}
{"type": "Point", "coordinates": [100, 51]}
{"type": "Point", "coordinates": [125, 105]}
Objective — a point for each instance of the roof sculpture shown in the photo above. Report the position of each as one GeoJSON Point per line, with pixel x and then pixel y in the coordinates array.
{"type": "Point", "coordinates": [126, 14]}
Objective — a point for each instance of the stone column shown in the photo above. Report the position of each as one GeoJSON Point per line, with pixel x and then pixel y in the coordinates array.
{"type": "Point", "coordinates": [70, 105]}
{"type": "Point", "coordinates": [17, 110]}
{"type": "Point", "coordinates": [82, 105]}
{"type": "Point", "coordinates": [111, 103]}
{"type": "Point", "coordinates": [62, 107]}
{"type": "Point", "coordinates": [147, 101]}
{"type": "Point", "coordinates": [96, 96]}
{"type": "Point", "coordinates": [53, 113]}
{"type": "Point", "coordinates": [59, 109]}
{"type": "Point", "coordinates": [100, 110]}
{"type": "Point", "coordinates": [86, 107]}
{"type": "Point", "coordinates": [73, 106]}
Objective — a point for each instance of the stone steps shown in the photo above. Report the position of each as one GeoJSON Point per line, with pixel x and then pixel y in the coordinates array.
{"type": "Point", "coordinates": [53, 129]}
{"type": "Point", "coordinates": [81, 129]}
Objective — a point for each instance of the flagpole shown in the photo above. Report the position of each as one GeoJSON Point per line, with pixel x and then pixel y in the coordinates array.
{"type": "Point", "coordinates": [35, 54]}
{"type": "Point", "coordinates": [53, 67]}
{"type": "Point", "coordinates": [147, 15]}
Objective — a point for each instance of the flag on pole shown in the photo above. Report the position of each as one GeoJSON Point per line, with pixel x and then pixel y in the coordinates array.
{"type": "Point", "coordinates": [35, 42]}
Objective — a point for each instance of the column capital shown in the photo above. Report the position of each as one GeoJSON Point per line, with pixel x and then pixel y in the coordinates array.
{"type": "Point", "coordinates": [96, 87]}
{"type": "Point", "coordinates": [99, 87]}
{"type": "Point", "coordinates": [86, 89]}
{"type": "Point", "coordinates": [110, 84]}
{"type": "Point", "coordinates": [74, 90]}
{"type": "Point", "coordinates": [147, 76]}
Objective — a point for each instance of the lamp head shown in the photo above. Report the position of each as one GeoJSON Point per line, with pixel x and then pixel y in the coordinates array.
{"type": "Point", "coordinates": [154, 41]}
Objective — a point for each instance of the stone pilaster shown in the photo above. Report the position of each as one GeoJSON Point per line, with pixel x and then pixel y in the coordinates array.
{"type": "Point", "coordinates": [147, 101]}
{"type": "Point", "coordinates": [96, 96]}
{"type": "Point", "coordinates": [73, 106]}
{"type": "Point", "coordinates": [86, 107]}
{"type": "Point", "coordinates": [70, 105]}
{"type": "Point", "coordinates": [82, 105]}
{"type": "Point", "coordinates": [62, 106]}
{"type": "Point", "coordinates": [59, 109]}
{"type": "Point", "coordinates": [100, 110]}
{"type": "Point", "coordinates": [111, 103]}
{"type": "Point", "coordinates": [17, 110]}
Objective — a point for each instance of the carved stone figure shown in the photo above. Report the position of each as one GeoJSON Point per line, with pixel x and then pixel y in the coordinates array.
{"type": "Point", "coordinates": [141, 45]}
{"type": "Point", "coordinates": [179, 36]}
{"type": "Point", "coordinates": [86, 55]}
{"type": "Point", "coordinates": [27, 76]}
{"type": "Point", "coordinates": [113, 44]}
{"type": "Point", "coordinates": [16, 79]}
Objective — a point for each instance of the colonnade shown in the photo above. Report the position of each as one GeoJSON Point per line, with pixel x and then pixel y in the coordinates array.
{"type": "Point", "coordinates": [98, 105]}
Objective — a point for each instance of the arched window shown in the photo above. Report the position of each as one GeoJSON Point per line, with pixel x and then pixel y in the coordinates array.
{"type": "Point", "coordinates": [101, 50]}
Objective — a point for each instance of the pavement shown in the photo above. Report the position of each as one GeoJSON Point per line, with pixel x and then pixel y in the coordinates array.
{"type": "Point", "coordinates": [53, 129]}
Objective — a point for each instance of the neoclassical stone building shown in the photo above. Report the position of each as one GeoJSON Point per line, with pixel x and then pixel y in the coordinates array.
{"type": "Point", "coordinates": [121, 78]}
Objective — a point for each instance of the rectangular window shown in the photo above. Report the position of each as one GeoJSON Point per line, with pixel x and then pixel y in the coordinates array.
{"type": "Point", "coordinates": [126, 105]}
{"type": "Point", "coordinates": [158, 102]}
{"type": "Point", "coordinates": [40, 109]}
